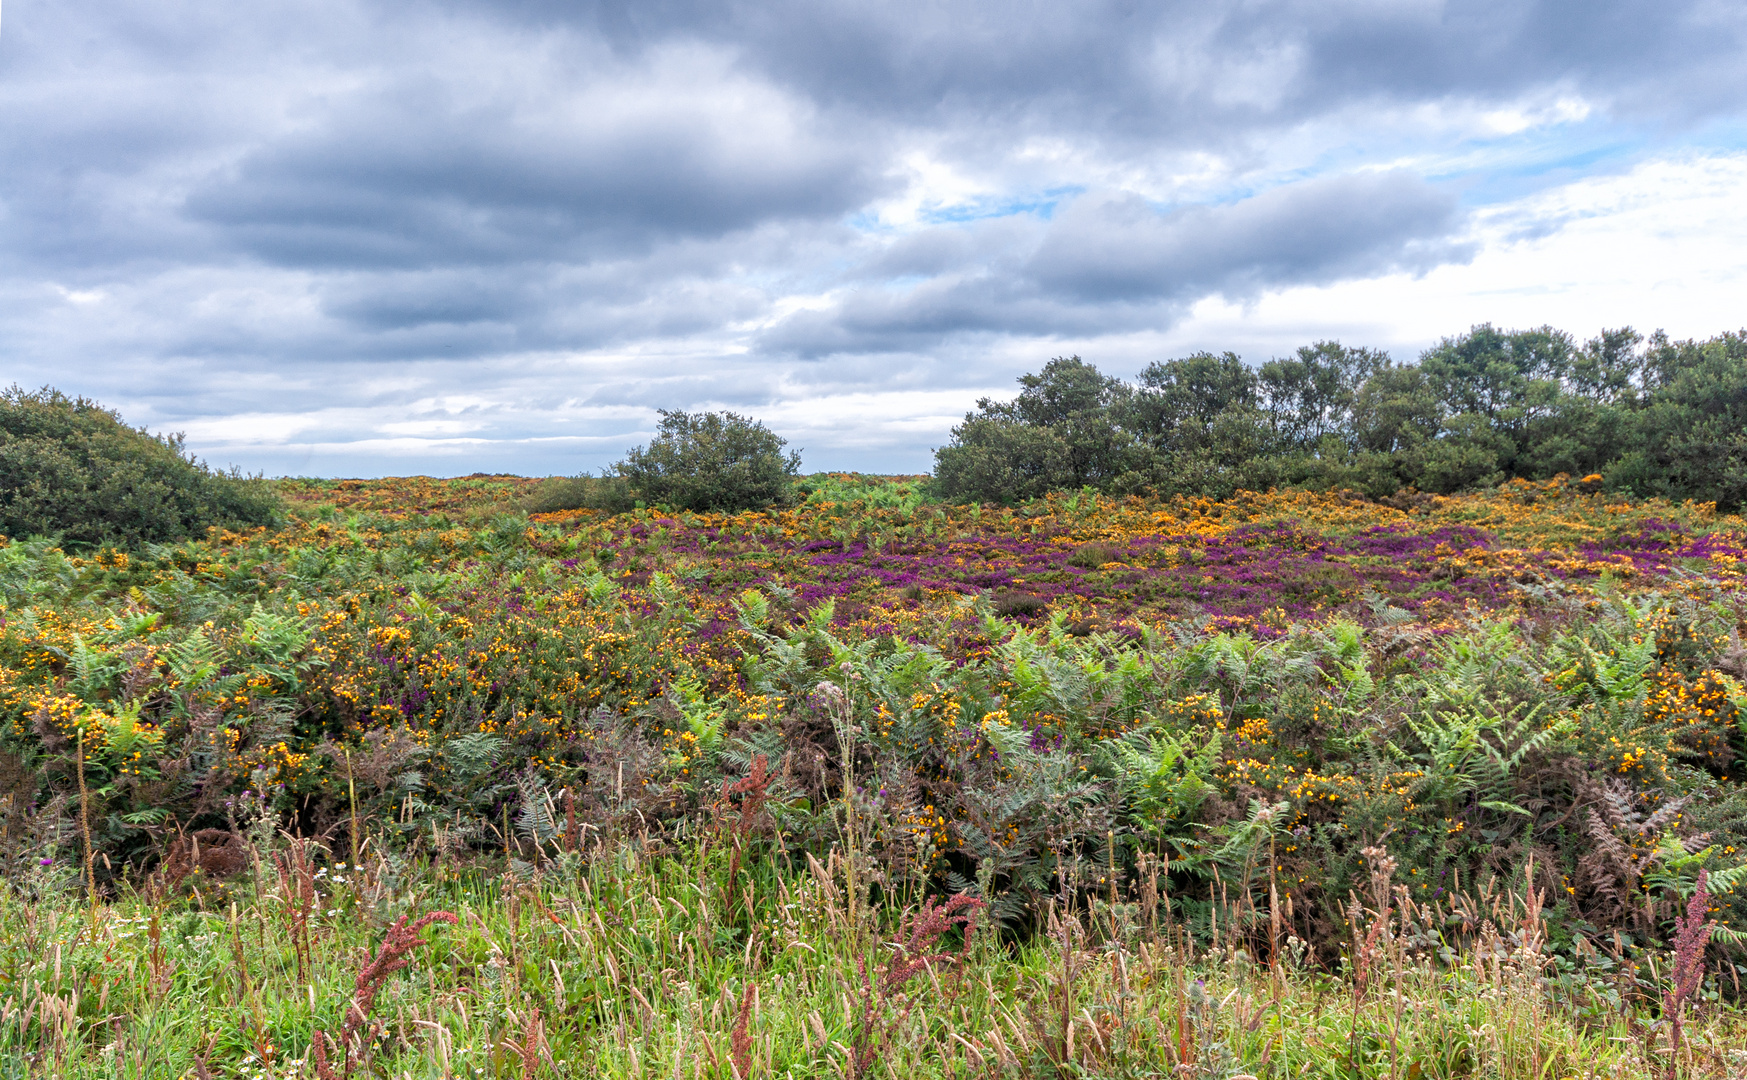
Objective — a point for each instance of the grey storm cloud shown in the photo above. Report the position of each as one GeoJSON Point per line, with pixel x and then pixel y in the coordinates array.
{"type": "Point", "coordinates": [196, 197]}
{"type": "Point", "coordinates": [1121, 248]}
{"type": "Point", "coordinates": [1113, 260]}
{"type": "Point", "coordinates": [1186, 66]}
{"type": "Point", "coordinates": [431, 171]}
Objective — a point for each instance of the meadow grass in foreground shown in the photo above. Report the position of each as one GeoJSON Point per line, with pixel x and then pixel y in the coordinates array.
{"type": "Point", "coordinates": [642, 959]}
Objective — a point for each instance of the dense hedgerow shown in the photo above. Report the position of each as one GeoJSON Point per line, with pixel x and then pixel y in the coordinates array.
{"type": "Point", "coordinates": [1652, 417]}
{"type": "Point", "coordinates": [72, 469]}
{"type": "Point", "coordinates": [1537, 675]}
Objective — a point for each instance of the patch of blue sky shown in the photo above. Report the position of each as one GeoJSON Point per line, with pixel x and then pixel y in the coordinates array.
{"type": "Point", "coordinates": [1482, 171]}
{"type": "Point", "coordinates": [868, 221]}
{"type": "Point", "coordinates": [1505, 167]}
{"type": "Point", "coordinates": [906, 282]}
{"type": "Point", "coordinates": [1723, 135]}
{"type": "Point", "coordinates": [1041, 205]}
{"type": "Point", "coordinates": [1236, 193]}
{"type": "Point", "coordinates": [1506, 178]}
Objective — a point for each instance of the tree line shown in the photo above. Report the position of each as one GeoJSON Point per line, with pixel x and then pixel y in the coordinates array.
{"type": "Point", "coordinates": [1650, 415]}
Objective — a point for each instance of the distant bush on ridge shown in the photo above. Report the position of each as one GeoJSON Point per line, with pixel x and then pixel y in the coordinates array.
{"type": "Point", "coordinates": [557, 493]}
{"type": "Point", "coordinates": [714, 462]}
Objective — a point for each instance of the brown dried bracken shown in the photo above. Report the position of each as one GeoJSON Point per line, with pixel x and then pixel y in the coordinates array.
{"type": "Point", "coordinates": [215, 852]}
{"type": "Point", "coordinates": [401, 940]}
{"type": "Point", "coordinates": [753, 792]}
{"type": "Point", "coordinates": [872, 1030]}
{"type": "Point", "coordinates": [1691, 932]}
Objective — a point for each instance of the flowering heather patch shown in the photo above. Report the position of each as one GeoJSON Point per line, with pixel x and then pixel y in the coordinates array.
{"type": "Point", "coordinates": [1259, 562]}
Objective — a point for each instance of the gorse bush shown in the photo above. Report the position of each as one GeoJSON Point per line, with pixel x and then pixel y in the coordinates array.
{"type": "Point", "coordinates": [1651, 416]}
{"type": "Point", "coordinates": [712, 462]}
{"type": "Point", "coordinates": [72, 469]}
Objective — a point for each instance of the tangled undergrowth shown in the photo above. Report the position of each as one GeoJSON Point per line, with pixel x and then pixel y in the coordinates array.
{"type": "Point", "coordinates": [1153, 731]}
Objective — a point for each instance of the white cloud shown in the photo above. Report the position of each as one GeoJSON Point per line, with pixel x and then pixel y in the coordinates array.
{"type": "Point", "coordinates": [1661, 246]}
{"type": "Point", "coordinates": [81, 297]}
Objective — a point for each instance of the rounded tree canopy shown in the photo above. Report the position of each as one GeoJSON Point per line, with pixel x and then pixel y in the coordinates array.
{"type": "Point", "coordinates": [721, 462]}
{"type": "Point", "coordinates": [72, 469]}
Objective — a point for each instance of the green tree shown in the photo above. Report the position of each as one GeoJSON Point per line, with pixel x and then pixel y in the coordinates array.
{"type": "Point", "coordinates": [1594, 421]}
{"type": "Point", "coordinates": [1610, 369]}
{"type": "Point", "coordinates": [72, 469]}
{"type": "Point", "coordinates": [1309, 396]}
{"type": "Point", "coordinates": [1202, 415]}
{"type": "Point", "coordinates": [1066, 388]}
{"type": "Point", "coordinates": [1501, 388]}
{"type": "Point", "coordinates": [1062, 431]}
{"type": "Point", "coordinates": [1690, 437]}
{"type": "Point", "coordinates": [1508, 377]}
{"type": "Point", "coordinates": [1654, 417]}
{"type": "Point", "coordinates": [1178, 401]}
{"type": "Point", "coordinates": [716, 462]}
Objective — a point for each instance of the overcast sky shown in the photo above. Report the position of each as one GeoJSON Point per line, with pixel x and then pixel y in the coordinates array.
{"type": "Point", "coordinates": [346, 237]}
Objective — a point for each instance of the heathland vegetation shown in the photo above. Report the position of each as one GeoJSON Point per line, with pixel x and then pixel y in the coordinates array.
{"type": "Point", "coordinates": [432, 778]}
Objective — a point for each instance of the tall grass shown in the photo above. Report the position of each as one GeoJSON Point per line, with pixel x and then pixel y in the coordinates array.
{"type": "Point", "coordinates": [633, 958]}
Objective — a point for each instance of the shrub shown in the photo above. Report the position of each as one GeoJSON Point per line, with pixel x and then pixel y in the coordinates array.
{"type": "Point", "coordinates": [1092, 556]}
{"type": "Point", "coordinates": [870, 490]}
{"type": "Point", "coordinates": [1025, 605]}
{"type": "Point", "coordinates": [578, 493]}
{"type": "Point", "coordinates": [712, 462]}
{"type": "Point", "coordinates": [71, 468]}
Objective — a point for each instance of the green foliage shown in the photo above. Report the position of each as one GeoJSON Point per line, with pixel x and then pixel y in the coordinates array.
{"type": "Point", "coordinates": [718, 462]}
{"type": "Point", "coordinates": [1164, 779]}
{"type": "Point", "coordinates": [73, 470]}
{"type": "Point", "coordinates": [1692, 433]}
{"type": "Point", "coordinates": [1311, 395]}
{"type": "Point", "coordinates": [1063, 431]}
{"type": "Point", "coordinates": [905, 493]}
{"type": "Point", "coordinates": [33, 571]}
{"type": "Point", "coordinates": [1652, 417]}
{"type": "Point", "coordinates": [556, 493]}
{"type": "Point", "coordinates": [455, 681]}
{"type": "Point", "coordinates": [624, 959]}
